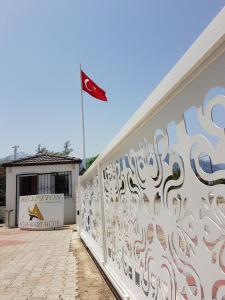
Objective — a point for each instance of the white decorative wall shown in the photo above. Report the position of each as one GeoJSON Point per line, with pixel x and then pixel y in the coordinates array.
{"type": "Point", "coordinates": [153, 204]}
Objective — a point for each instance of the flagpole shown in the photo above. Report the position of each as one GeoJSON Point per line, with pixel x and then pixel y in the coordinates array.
{"type": "Point", "coordinates": [82, 118]}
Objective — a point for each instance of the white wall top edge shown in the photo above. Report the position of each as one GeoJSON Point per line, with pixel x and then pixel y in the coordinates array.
{"type": "Point", "coordinates": [208, 41]}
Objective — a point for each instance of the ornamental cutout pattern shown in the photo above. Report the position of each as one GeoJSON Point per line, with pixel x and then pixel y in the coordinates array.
{"type": "Point", "coordinates": [91, 210]}
{"type": "Point", "coordinates": [165, 213]}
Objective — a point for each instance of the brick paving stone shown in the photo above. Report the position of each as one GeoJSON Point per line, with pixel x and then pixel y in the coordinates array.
{"type": "Point", "coordinates": [3, 297]}
{"type": "Point", "coordinates": [21, 298]}
{"type": "Point", "coordinates": [52, 297]}
{"type": "Point", "coordinates": [37, 298]}
{"type": "Point", "coordinates": [67, 297]}
{"type": "Point", "coordinates": [10, 291]}
{"type": "Point", "coordinates": [54, 290]}
{"type": "Point", "coordinates": [25, 292]}
{"type": "Point", "coordinates": [37, 265]}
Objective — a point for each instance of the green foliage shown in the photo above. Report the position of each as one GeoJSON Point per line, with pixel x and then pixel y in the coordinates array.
{"type": "Point", "coordinates": [90, 161]}
{"type": "Point", "coordinates": [41, 150]}
{"type": "Point", "coordinates": [66, 150]}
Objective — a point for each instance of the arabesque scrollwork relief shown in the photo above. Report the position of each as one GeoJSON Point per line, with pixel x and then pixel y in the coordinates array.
{"type": "Point", "coordinates": [91, 210]}
{"type": "Point", "coordinates": [165, 213]}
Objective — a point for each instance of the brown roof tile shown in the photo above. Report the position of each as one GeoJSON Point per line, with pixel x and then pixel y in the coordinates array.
{"type": "Point", "coordinates": [42, 159]}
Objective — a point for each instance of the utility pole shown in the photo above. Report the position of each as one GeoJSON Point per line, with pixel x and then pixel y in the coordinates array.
{"type": "Point", "coordinates": [15, 151]}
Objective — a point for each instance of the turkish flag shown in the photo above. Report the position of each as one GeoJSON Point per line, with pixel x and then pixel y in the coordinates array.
{"type": "Point", "coordinates": [91, 88]}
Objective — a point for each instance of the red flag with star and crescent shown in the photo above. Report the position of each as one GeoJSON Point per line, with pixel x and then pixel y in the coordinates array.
{"type": "Point", "coordinates": [92, 88]}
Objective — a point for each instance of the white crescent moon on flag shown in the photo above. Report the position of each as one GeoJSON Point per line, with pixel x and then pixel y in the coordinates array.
{"type": "Point", "coordinates": [85, 82]}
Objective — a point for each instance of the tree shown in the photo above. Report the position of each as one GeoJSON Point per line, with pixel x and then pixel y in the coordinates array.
{"type": "Point", "coordinates": [66, 150]}
{"type": "Point", "coordinates": [90, 161]}
{"type": "Point", "coordinates": [41, 150]}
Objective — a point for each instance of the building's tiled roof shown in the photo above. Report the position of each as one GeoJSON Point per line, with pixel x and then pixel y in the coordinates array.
{"type": "Point", "coordinates": [42, 159]}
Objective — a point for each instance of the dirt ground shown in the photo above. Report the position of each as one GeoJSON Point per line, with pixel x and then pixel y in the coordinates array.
{"type": "Point", "coordinates": [91, 284]}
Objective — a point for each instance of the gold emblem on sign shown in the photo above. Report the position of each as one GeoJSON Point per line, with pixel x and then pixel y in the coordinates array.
{"type": "Point", "coordinates": [35, 213]}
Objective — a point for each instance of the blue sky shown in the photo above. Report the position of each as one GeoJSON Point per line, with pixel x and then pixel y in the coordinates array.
{"type": "Point", "coordinates": [126, 47]}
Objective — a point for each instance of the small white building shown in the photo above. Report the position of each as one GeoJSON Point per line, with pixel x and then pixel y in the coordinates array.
{"type": "Point", "coordinates": [42, 174]}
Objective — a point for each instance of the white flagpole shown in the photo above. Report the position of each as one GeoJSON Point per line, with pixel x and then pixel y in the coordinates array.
{"type": "Point", "coordinates": [82, 118]}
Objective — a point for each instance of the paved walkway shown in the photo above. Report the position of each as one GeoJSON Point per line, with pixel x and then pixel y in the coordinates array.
{"type": "Point", "coordinates": [37, 265]}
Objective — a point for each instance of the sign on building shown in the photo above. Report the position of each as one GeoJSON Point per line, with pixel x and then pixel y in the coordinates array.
{"type": "Point", "coordinates": [41, 211]}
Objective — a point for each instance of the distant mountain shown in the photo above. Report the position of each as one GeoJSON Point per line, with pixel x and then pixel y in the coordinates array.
{"type": "Point", "coordinates": [20, 154]}
{"type": "Point", "coordinates": [205, 163]}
